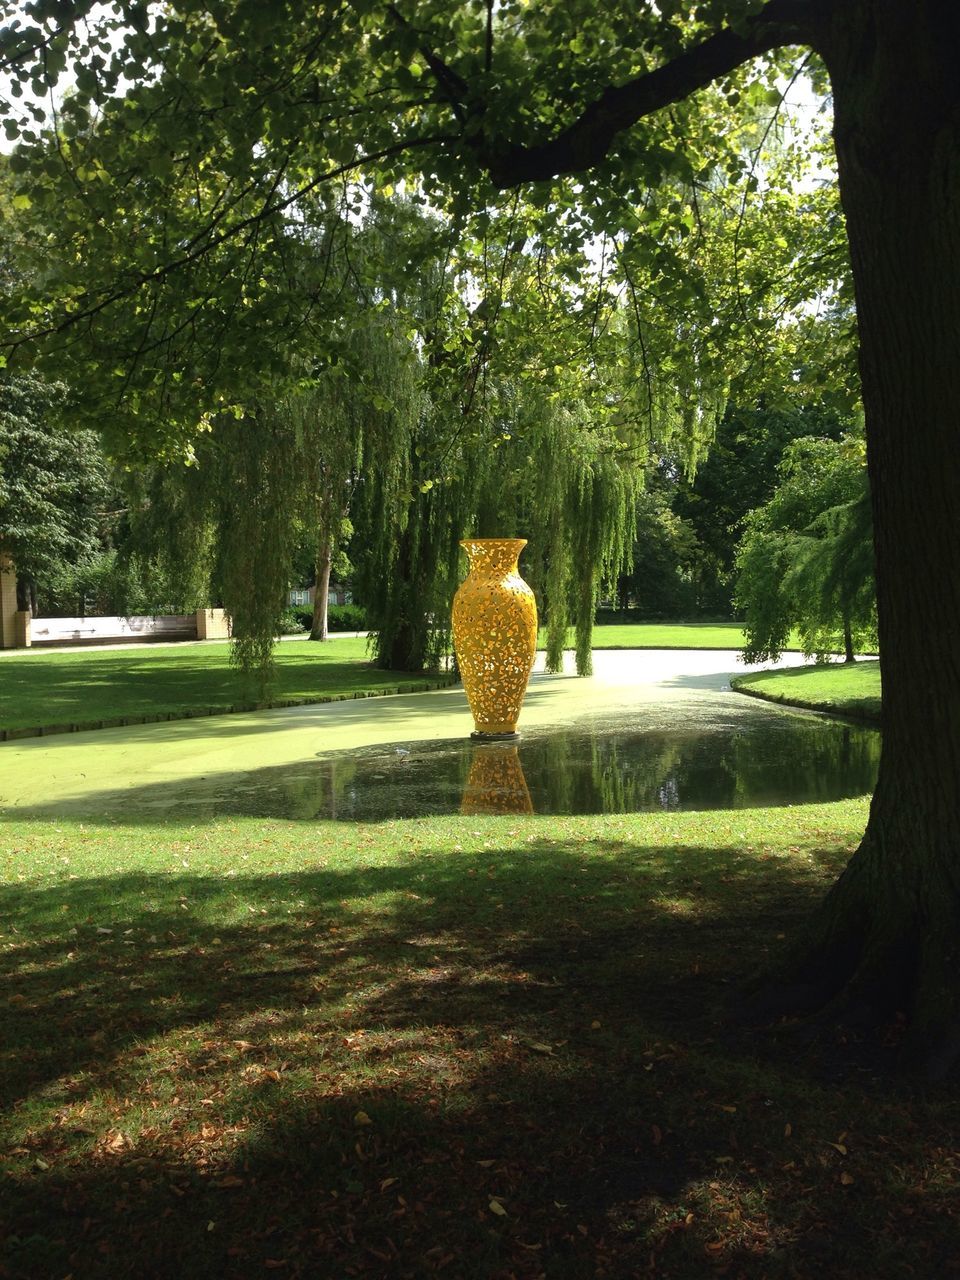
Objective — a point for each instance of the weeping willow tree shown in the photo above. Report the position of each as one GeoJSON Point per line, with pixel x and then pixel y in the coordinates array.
{"type": "Point", "coordinates": [228, 525]}
{"type": "Point", "coordinates": [492, 447]}
{"type": "Point", "coordinates": [565, 480]}
{"type": "Point", "coordinates": [428, 429]}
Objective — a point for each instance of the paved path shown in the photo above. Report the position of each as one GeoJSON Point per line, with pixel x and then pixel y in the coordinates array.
{"type": "Point", "coordinates": [108, 762]}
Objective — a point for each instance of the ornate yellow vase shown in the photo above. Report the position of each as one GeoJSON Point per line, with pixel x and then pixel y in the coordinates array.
{"type": "Point", "coordinates": [494, 634]}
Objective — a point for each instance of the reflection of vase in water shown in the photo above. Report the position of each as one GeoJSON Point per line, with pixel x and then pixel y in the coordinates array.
{"type": "Point", "coordinates": [494, 633]}
{"type": "Point", "coordinates": [496, 783]}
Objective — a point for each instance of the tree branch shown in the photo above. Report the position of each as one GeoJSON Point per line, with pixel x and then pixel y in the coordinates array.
{"type": "Point", "coordinates": [454, 87]}
{"type": "Point", "coordinates": [204, 242]}
{"type": "Point", "coordinates": [585, 142]}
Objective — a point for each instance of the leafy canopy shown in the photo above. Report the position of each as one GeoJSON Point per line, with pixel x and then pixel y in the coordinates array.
{"type": "Point", "coordinates": [162, 208]}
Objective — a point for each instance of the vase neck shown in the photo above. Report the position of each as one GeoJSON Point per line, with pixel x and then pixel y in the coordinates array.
{"type": "Point", "coordinates": [493, 555]}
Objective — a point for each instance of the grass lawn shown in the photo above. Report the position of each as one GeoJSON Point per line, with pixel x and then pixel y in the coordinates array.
{"type": "Point", "coordinates": [84, 687]}
{"type": "Point", "coordinates": [660, 635]}
{"type": "Point", "coordinates": [464, 1047]}
{"type": "Point", "coordinates": [852, 690]}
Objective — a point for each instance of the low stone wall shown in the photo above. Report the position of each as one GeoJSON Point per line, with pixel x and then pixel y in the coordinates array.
{"type": "Point", "coordinates": [101, 630]}
{"type": "Point", "coordinates": [23, 631]}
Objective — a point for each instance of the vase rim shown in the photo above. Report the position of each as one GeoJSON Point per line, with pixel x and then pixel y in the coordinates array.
{"type": "Point", "coordinates": [493, 542]}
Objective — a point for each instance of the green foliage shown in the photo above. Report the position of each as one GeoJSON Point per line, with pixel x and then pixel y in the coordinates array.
{"type": "Point", "coordinates": [666, 553]}
{"type": "Point", "coordinates": [739, 474]}
{"type": "Point", "coordinates": [346, 617]}
{"type": "Point", "coordinates": [160, 217]}
{"type": "Point", "coordinates": [290, 622]}
{"type": "Point", "coordinates": [340, 617]}
{"type": "Point", "coordinates": [221, 241]}
{"type": "Point", "coordinates": [806, 557]}
{"type": "Point", "coordinates": [53, 482]}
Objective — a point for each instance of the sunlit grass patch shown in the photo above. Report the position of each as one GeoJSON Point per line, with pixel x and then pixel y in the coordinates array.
{"type": "Point", "coordinates": [851, 689]}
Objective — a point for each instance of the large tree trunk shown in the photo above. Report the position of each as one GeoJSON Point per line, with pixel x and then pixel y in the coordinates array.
{"type": "Point", "coordinates": [321, 596]}
{"type": "Point", "coordinates": [888, 934]}
{"type": "Point", "coordinates": [848, 653]}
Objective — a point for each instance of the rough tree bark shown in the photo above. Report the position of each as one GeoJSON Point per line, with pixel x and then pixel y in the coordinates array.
{"type": "Point", "coordinates": [888, 934]}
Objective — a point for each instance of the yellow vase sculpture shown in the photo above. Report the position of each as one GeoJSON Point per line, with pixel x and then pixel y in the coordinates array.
{"type": "Point", "coordinates": [494, 634]}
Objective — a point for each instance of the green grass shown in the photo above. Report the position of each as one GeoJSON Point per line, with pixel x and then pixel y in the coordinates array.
{"type": "Point", "coordinates": [470, 1047]}
{"type": "Point", "coordinates": [661, 635]}
{"type": "Point", "coordinates": [85, 687]}
{"type": "Point", "coordinates": [851, 690]}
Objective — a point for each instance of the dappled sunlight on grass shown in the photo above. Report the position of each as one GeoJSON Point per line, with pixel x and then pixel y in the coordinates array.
{"type": "Point", "coordinates": [343, 1047]}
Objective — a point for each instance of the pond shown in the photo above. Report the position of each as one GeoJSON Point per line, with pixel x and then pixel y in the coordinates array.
{"type": "Point", "coordinates": [704, 762]}
{"type": "Point", "coordinates": [592, 768]}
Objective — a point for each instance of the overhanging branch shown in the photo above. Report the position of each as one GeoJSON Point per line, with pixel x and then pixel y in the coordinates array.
{"type": "Point", "coordinates": [585, 142]}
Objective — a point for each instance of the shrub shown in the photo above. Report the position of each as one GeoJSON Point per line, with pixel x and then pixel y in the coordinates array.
{"type": "Point", "coordinates": [340, 617]}
{"type": "Point", "coordinates": [290, 622]}
{"type": "Point", "coordinates": [346, 617]}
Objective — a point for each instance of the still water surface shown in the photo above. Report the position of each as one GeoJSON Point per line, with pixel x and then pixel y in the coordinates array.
{"type": "Point", "coordinates": [722, 757]}
{"type": "Point", "coordinates": [598, 768]}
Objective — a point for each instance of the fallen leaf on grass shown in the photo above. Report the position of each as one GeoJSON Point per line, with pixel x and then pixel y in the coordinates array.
{"type": "Point", "coordinates": [361, 1117]}
{"type": "Point", "coordinates": [497, 1208]}
{"type": "Point", "coordinates": [847, 1179]}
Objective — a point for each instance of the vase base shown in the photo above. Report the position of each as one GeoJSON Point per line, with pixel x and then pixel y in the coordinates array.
{"type": "Point", "coordinates": [478, 736]}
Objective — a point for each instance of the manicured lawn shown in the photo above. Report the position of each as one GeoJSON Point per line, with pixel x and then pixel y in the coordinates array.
{"type": "Point", "coordinates": [84, 687]}
{"type": "Point", "coordinates": [663, 635]}
{"type": "Point", "coordinates": [668, 635]}
{"type": "Point", "coordinates": [470, 1047]}
{"type": "Point", "coordinates": [844, 689]}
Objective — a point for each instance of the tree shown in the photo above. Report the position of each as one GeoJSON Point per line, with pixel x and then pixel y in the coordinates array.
{"type": "Point", "coordinates": [738, 475]}
{"type": "Point", "coordinates": [527, 94]}
{"type": "Point", "coordinates": [53, 482]}
{"type": "Point", "coordinates": [666, 552]}
{"type": "Point", "coordinates": [806, 557]}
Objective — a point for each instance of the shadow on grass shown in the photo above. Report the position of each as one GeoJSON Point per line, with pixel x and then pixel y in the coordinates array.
{"type": "Point", "coordinates": [506, 1063]}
